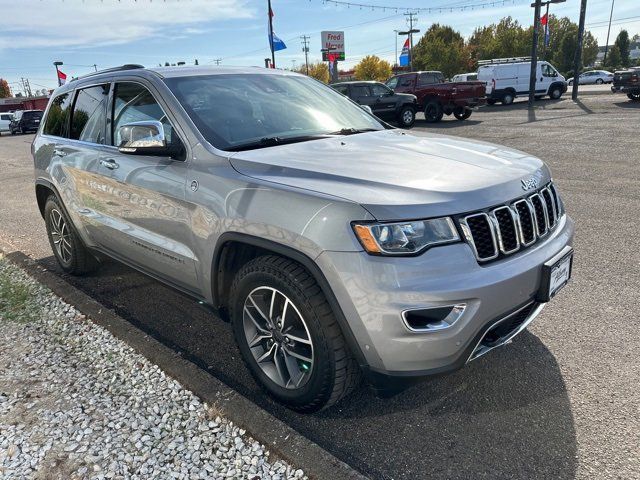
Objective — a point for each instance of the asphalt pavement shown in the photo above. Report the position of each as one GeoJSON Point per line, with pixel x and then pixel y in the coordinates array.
{"type": "Point", "coordinates": [562, 401]}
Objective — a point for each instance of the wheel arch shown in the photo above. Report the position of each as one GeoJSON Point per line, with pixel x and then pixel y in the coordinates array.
{"type": "Point", "coordinates": [234, 249]}
{"type": "Point", "coordinates": [44, 188]}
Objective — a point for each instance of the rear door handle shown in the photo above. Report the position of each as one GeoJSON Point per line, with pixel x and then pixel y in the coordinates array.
{"type": "Point", "coordinates": [59, 153]}
{"type": "Point", "coordinates": [109, 163]}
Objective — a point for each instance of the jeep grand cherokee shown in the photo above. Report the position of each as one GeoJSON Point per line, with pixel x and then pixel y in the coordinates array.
{"type": "Point", "coordinates": [336, 246]}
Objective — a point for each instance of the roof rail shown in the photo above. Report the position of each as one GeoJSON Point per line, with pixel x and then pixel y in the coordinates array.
{"type": "Point", "coordinates": [128, 66]}
{"type": "Point", "coordinates": [504, 60]}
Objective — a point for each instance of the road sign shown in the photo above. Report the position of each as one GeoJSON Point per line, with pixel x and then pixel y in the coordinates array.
{"type": "Point", "coordinates": [332, 43]}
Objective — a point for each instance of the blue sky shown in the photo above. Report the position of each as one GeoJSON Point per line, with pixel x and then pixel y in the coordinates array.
{"type": "Point", "coordinates": [81, 33]}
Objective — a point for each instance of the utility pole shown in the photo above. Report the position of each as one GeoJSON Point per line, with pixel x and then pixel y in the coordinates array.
{"type": "Point", "coordinates": [606, 45]}
{"type": "Point", "coordinates": [217, 61]}
{"type": "Point", "coordinates": [577, 61]}
{"type": "Point", "coordinates": [95, 67]}
{"type": "Point", "coordinates": [411, 31]}
{"type": "Point", "coordinates": [57, 64]}
{"type": "Point", "coordinates": [273, 53]}
{"type": "Point", "coordinates": [26, 81]}
{"type": "Point", "coordinates": [534, 53]}
{"type": "Point", "coordinates": [305, 49]}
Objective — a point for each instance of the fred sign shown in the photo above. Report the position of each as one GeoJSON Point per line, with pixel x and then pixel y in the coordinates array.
{"type": "Point", "coordinates": [332, 42]}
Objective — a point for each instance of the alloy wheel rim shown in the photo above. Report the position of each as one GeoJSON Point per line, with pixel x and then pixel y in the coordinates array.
{"type": "Point", "coordinates": [407, 117]}
{"type": "Point", "coordinates": [278, 337]}
{"type": "Point", "coordinates": [61, 236]}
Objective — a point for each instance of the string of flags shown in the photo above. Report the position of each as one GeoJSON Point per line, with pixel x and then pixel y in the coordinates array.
{"type": "Point", "coordinates": [441, 9]}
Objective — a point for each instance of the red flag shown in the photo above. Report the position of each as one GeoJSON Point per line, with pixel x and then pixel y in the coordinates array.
{"type": "Point", "coordinates": [544, 19]}
{"type": "Point", "coordinates": [270, 12]}
{"type": "Point", "coordinates": [62, 78]}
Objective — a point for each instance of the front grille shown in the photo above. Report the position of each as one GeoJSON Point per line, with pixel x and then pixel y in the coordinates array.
{"type": "Point", "coordinates": [505, 229]}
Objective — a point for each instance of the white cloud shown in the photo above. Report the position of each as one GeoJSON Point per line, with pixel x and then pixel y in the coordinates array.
{"type": "Point", "coordinates": [90, 23]}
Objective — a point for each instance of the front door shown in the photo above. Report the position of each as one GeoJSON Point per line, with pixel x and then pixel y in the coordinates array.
{"type": "Point", "coordinates": [384, 104]}
{"type": "Point", "coordinates": [149, 219]}
{"type": "Point", "coordinates": [362, 95]}
{"type": "Point", "coordinates": [547, 76]}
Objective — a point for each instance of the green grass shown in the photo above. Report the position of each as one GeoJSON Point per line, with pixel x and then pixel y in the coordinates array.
{"type": "Point", "coordinates": [17, 299]}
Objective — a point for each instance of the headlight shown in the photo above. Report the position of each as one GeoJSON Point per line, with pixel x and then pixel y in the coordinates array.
{"type": "Point", "coordinates": [405, 238]}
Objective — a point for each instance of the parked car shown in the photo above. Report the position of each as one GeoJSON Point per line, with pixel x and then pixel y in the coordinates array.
{"type": "Point", "coordinates": [5, 120]}
{"type": "Point", "coordinates": [437, 97]}
{"type": "Point", "coordinates": [465, 77]}
{"type": "Point", "coordinates": [507, 78]}
{"type": "Point", "coordinates": [384, 102]}
{"type": "Point", "coordinates": [627, 81]}
{"type": "Point", "coordinates": [336, 246]}
{"type": "Point", "coordinates": [25, 121]}
{"type": "Point", "coordinates": [594, 77]}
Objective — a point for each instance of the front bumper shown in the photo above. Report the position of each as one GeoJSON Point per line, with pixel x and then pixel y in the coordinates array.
{"type": "Point", "coordinates": [625, 89]}
{"type": "Point", "coordinates": [374, 291]}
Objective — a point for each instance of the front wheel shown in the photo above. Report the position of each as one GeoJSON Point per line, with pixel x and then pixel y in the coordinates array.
{"type": "Point", "coordinates": [407, 117]}
{"type": "Point", "coordinates": [634, 97]}
{"type": "Point", "coordinates": [67, 246]}
{"type": "Point", "coordinates": [599, 81]}
{"type": "Point", "coordinates": [288, 335]}
{"type": "Point", "coordinates": [462, 113]}
{"type": "Point", "coordinates": [555, 93]}
{"type": "Point", "coordinates": [508, 98]}
{"type": "Point", "coordinates": [433, 111]}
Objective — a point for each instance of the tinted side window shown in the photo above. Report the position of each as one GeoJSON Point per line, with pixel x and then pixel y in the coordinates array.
{"type": "Point", "coordinates": [426, 79]}
{"type": "Point", "coordinates": [57, 123]}
{"type": "Point", "coordinates": [548, 71]}
{"type": "Point", "coordinates": [88, 120]}
{"type": "Point", "coordinates": [360, 91]}
{"type": "Point", "coordinates": [379, 90]}
{"type": "Point", "coordinates": [134, 103]}
{"type": "Point", "coordinates": [343, 89]}
{"type": "Point", "coordinates": [393, 83]}
{"type": "Point", "coordinates": [6, 117]}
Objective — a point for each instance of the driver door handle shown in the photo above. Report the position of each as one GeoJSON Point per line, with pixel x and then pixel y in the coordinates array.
{"type": "Point", "coordinates": [109, 163]}
{"type": "Point", "coordinates": [59, 153]}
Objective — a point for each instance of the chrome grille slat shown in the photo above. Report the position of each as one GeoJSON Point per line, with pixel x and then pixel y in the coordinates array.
{"type": "Point", "coordinates": [506, 229]}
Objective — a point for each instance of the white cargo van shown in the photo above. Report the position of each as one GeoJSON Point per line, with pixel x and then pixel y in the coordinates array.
{"type": "Point", "coordinates": [507, 78]}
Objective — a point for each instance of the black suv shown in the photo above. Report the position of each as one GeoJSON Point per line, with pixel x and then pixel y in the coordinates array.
{"type": "Point", "coordinates": [627, 81]}
{"type": "Point", "coordinates": [384, 102]}
{"type": "Point", "coordinates": [25, 121]}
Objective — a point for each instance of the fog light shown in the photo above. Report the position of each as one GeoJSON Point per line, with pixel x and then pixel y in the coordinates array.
{"type": "Point", "coordinates": [432, 319]}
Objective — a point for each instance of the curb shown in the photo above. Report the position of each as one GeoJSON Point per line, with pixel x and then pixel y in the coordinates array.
{"type": "Point", "coordinates": [276, 435]}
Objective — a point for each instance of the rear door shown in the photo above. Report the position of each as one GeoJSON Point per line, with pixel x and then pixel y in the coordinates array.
{"type": "Point", "coordinates": [148, 217]}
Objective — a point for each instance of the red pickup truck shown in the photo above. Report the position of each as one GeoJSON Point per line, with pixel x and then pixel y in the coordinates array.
{"type": "Point", "coordinates": [436, 97]}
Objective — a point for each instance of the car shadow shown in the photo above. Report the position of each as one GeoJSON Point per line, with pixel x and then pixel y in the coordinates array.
{"type": "Point", "coordinates": [505, 415]}
{"type": "Point", "coordinates": [627, 104]}
{"type": "Point", "coordinates": [446, 123]}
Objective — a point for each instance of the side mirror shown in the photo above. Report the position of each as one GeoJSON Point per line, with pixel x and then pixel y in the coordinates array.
{"type": "Point", "coordinates": [391, 92]}
{"type": "Point", "coordinates": [144, 138]}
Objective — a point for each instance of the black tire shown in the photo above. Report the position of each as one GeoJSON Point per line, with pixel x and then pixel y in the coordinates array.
{"type": "Point", "coordinates": [555, 93]}
{"type": "Point", "coordinates": [407, 116]}
{"type": "Point", "coordinates": [433, 111]}
{"type": "Point", "coordinates": [462, 113]}
{"type": "Point", "coordinates": [491, 101]}
{"type": "Point", "coordinates": [22, 130]}
{"type": "Point", "coordinates": [599, 81]}
{"type": "Point", "coordinates": [508, 98]}
{"type": "Point", "coordinates": [75, 258]}
{"type": "Point", "coordinates": [334, 373]}
{"type": "Point", "coordinates": [634, 97]}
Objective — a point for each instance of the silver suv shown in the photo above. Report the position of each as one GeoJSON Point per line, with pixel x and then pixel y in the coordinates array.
{"type": "Point", "coordinates": [337, 246]}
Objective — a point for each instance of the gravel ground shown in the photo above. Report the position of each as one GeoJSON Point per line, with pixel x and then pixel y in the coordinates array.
{"type": "Point", "coordinates": [77, 403]}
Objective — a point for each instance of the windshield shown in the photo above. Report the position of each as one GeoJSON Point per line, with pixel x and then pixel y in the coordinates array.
{"type": "Point", "coordinates": [234, 110]}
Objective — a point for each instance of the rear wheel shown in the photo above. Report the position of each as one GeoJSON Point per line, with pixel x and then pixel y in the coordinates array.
{"type": "Point", "coordinates": [433, 111]}
{"type": "Point", "coordinates": [634, 97]}
{"type": "Point", "coordinates": [288, 335]}
{"type": "Point", "coordinates": [508, 98]}
{"type": "Point", "coordinates": [462, 113]}
{"type": "Point", "coordinates": [599, 81]}
{"type": "Point", "coordinates": [67, 246]}
{"type": "Point", "coordinates": [407, 116]}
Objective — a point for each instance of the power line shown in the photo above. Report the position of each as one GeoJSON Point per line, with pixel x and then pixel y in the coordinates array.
{"type": "Point", "coordinates": [435, 9]}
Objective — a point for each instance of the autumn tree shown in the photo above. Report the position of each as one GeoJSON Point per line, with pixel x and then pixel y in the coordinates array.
{"type": "Point", "coordinates": [623, 44]}
{"type": "Point", "coordinates": [372, 67]}
{"type": "Point", "coordinates": [318, 70]}
{"type": "Point", "coordinates": [441, 48]}
{"type": "Point", "coordinates": [5, 91]}
{"type": "Point", "coordinates": [614, 58]}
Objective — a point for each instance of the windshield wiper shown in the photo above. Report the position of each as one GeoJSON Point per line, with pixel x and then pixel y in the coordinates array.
{"type": "Point", "coordinates": [353, 131]}
{"type": "Point", "coordinates": [273, 141]}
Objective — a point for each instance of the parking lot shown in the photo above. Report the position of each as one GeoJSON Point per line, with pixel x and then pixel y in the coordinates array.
{"type": "Point", "coordinates": [561, 401]}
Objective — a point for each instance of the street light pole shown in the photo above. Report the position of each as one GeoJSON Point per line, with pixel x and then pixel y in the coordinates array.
{"type": "Point", "coordinates": [395, 61]}
{"type": "Point", "coordinates": [606, 45]}
{"type": "Point", "coordinates": [57, 64]}
{"type": "Point", "coordinates": [273, 53]}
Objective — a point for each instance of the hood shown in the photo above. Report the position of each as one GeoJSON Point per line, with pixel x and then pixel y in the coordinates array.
{"type": "Point", "coordinates": [397, 175]}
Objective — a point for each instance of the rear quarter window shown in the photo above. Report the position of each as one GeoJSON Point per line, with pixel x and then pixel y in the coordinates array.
{"type": "Point", "coordinates": [57, 121]}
